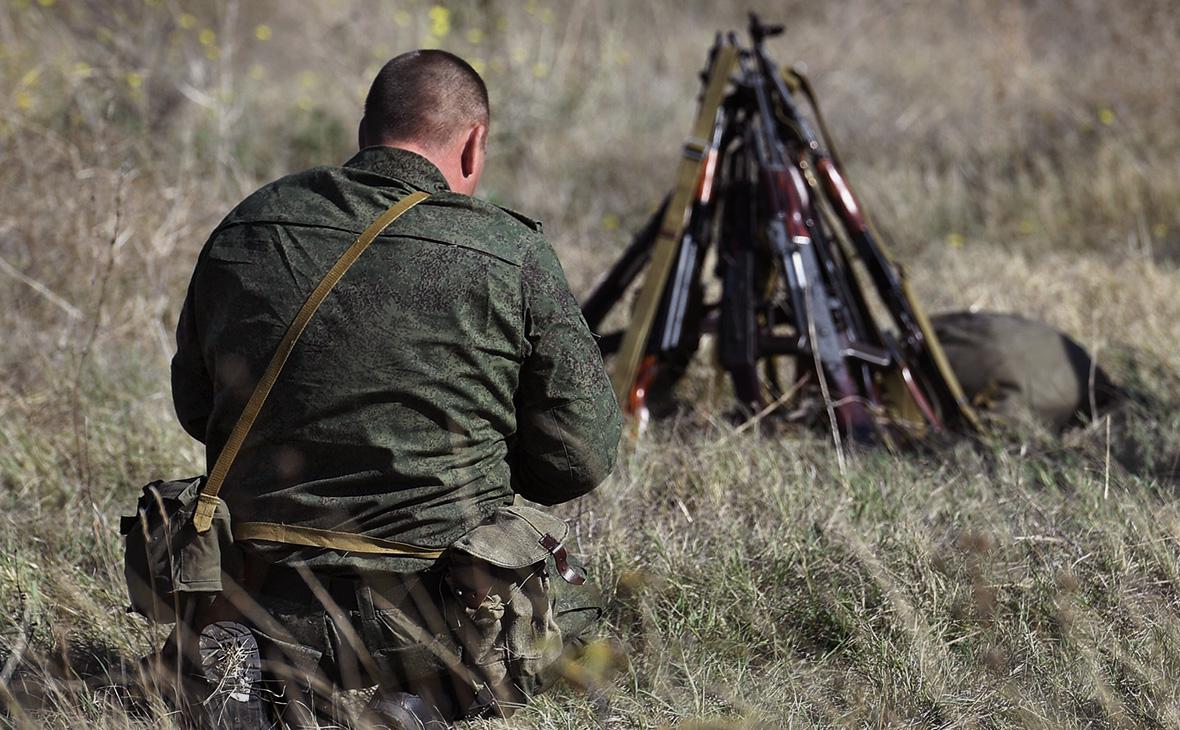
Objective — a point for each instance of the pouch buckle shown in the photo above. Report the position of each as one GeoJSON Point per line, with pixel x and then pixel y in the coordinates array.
{"type": "Point", "coordinates": [561, 560]}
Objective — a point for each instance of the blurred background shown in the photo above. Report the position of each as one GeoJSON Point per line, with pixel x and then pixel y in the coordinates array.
{"type": "Point", "coordinates": [1020, 126]}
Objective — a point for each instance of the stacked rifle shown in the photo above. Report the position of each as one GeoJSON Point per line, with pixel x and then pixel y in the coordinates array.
{"type": "Point", "coordinates": [760, 202]}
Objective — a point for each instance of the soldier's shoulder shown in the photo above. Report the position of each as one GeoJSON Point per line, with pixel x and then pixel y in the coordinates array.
{"type": "Point", "coordinates": [530, 223]}
{"type": "Point", "coordinates": [290, 198]}
{"type": "Point", "coordinates": [478, 224]}
{"type": "Point", "coordinates": [494, 214]}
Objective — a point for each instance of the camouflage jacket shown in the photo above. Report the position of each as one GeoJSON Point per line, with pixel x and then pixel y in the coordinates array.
{"type": "Point", "coordinates": [448, 370]}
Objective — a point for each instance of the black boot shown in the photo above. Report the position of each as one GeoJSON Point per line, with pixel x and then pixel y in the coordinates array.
{"type": "Point", "coordinates": [402, 711]}
{"type": "Point", "coordinates": [232, 668]}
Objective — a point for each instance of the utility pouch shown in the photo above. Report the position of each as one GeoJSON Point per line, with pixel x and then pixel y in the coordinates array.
{"type": "Point", "coordinates": [503, 605]}
{"type": "Point", "coordinates": [180, 540]}
{"type": "Point", "coordinates": [164, 555]}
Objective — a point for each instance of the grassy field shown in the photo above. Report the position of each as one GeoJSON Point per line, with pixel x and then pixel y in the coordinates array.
{"type": "Point", "coordinates": [1025, 156]}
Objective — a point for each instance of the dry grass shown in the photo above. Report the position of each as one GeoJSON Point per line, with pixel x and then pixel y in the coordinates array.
{"type": "Point", "coordinates": [1025, 156]}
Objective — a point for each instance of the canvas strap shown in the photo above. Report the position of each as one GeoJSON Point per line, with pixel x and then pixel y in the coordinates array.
{"type": "Point", "coordinates": [346, 541]}
{"type": "Point", "coordinates": [208, 500]}
{"type": "Point", "coordinates": [797, 79]}
{"type": "Point", "coordinates": [667, 242]}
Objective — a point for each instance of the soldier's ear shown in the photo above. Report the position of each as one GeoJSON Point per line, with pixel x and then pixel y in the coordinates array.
{"type": "Point", "coordinates": [474, 148]}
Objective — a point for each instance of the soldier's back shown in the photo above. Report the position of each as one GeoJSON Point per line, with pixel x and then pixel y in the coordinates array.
{"type": "Point", "coordinates": [393, 414]}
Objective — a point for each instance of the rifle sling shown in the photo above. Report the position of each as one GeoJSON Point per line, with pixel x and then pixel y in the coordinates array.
{"type": "Point", "coordinates": [671, 229]}
{"type": "Point", "coordinates": [208, 500]}
{"type": "Point", "coordinates": [933, 344]}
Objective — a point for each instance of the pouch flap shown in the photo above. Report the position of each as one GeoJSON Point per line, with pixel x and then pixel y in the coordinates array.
{"type": "Point", "coordinates": [161, 498]}
{"type": "Point", "coordinates": [514, 537]}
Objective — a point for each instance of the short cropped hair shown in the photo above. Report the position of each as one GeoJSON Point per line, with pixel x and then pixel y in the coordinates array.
{"type": "Point", "coordinates": [426, 96]}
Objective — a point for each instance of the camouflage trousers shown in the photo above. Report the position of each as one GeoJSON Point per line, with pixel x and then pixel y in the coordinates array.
{"type": "Point", "coordinates": [322, 636]}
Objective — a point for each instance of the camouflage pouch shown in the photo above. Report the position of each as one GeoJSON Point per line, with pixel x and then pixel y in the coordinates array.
{"type": "Point", "coordinates": [164, 556]}
{"type": "Point", "coordinates": [502, 604]}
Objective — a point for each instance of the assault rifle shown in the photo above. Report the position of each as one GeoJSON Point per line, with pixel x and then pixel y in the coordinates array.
{"type": "Point", "coordinates": [759, 192]}
{"type": "Point", "coordinates": [826, 319]}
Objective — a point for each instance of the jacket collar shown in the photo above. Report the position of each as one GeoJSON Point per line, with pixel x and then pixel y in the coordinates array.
{"type": "Point", "coordinates": [394, 162]}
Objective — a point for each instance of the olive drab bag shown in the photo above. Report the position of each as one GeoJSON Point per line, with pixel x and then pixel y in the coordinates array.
{"type": "Point", "coordinates": [164, 556]}
{"type": "Point", "coordinates": [1020, 370]}
{"type": "Point", "coordinates": [180, 539]}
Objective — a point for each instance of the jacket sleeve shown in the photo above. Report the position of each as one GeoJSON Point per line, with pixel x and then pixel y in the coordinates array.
{"type": "Point", "coordinates": [568, 421]}
{"type": "Point", "coordinates": [192, 387]}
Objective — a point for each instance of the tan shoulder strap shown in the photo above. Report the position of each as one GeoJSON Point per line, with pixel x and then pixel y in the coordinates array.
{"type": "Point", "coordinates": [347, 541]}
{"type": "Point", "coordinates": [208, 500]}
{"type": "Point", "coordinates": [668, 241]}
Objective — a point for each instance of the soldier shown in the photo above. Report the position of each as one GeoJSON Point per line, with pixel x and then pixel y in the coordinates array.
{"type": "Point", "coordinates": [449, 371]}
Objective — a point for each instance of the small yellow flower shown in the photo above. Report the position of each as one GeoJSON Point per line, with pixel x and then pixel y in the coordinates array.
{"type": "Point", "coordinates": [1027, 227]}
{"type": "Point", "coordinates": [212, 53]}
{"type": "Point", "coordinates": [187, 21]}
{"type": "Point", "coordinates": [479, 65]}
{"type": "Point", "coordinates": [304, 103]}
{"type": "Point", "coordinates": [308, 79]}
{"type": "Point", "coordinates": [610, 222]}
{"type": "Point", "coordinates": [440, 21]}
{"type": "Point", "coordinates": [30, 78]}
{"type": "Point", "coordinates": [402, 18]}
{"type": "Point", "coordinates": [81, 68]}
{"type": "Point", "coordinates": [622, 58]}
{"type": "Point", "coordinates": [540, 70]}
{"type": "Point", "coordinates": [24, 100]}
{"type": "Point", "coordinates": [1106, 116]}
{"type": "Point", "coordinates": [206, 36]}
{"type": "Point", "coordinates": [262, 32]}
{"type": "Point", "coordinates": [475, 36]}
{"type": "Point", "coordinates": [46, 3]}
{"type": "Point", "coordinates": [134, 80]}
{"type": "Point", "coordinates": [955, 240]}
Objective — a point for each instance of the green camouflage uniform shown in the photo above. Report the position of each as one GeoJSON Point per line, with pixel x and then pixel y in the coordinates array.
{"type": "Point", "coordinates": [449, 370]}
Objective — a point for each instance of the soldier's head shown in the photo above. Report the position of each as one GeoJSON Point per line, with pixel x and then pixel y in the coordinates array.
{"type": "Point", "coordinates": [433, 103]}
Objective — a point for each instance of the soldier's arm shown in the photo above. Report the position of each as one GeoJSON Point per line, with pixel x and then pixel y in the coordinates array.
{"type": "Point", "coordinates": [568, 421]}
{"type": "Point", "coordinates": [192, 388]}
